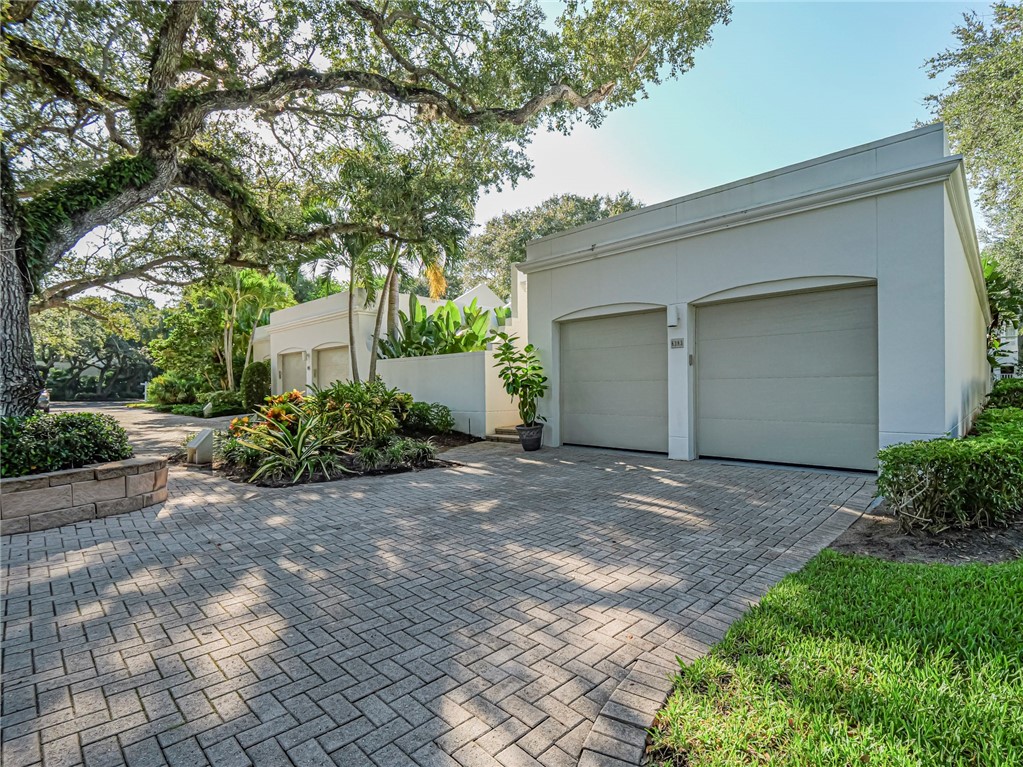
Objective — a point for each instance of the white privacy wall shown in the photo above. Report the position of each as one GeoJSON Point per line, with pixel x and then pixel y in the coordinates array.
{"type": "Point", "coordinates": [877, 214]}
{"type": "Point", "coordinates": [467, 383]}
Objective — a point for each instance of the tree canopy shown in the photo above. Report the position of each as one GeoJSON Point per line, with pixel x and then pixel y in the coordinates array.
{"type": "Point", "coordinates": [489, 255]}
{"type": "Point", "coordinates": [213, 116]}
{"type": "Point", "coordinates": [982, 108]}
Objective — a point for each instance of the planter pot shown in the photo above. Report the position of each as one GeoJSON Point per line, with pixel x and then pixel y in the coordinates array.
{"type": "Point", "coordinates": [530, 437]}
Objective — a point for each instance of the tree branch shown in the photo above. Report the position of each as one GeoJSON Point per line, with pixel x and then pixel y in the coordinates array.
{"type": "Point", "coordinates": [166, 63]}
{"type": "Point", "coordinates": [51, 65]}
{"type": "Point", "coordinates": [59, 294]}
{"type": "Point", "coordinates": [309, 80]}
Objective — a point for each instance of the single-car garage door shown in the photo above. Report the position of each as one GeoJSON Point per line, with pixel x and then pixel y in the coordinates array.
{"type": "Point", "coordinates": [331, 365]}
{"type": "Point", "coordinates": [791, 379]}
{"type": "Point", "coordinates": [292, 372]}
{"type": "Point", "coordinates": [614, 381]}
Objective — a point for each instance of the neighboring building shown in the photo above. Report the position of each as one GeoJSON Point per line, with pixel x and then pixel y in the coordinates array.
{"type": "Point", "coordinates": [808, 315]}
{"type": "Point", "coordinates": [308, 344]}
{"type": "Point", "coordinates": [1009, 362]}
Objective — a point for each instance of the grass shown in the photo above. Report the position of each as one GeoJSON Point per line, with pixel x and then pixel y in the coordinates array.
{"type": "Point", "coordinates": [856, 661]}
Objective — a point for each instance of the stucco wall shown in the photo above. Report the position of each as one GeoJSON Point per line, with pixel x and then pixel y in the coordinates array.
{"type": "Point", "coordinates": [871, 215]}
{"type": "Point", "coordinates": [967, 372]}
{"type": "Point", "coordinates": [467, 383]}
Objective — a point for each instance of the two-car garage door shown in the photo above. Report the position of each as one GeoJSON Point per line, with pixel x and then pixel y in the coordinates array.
{"type": "Point", "coordinates": [788, 379]}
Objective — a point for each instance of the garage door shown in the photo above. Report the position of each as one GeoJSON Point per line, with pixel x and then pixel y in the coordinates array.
{"type": "Point", "coordinates": [331, 365]}
{"type": "Point", "coordinates": [614, 382]}
{"type": "Point", "coordinates": [292, 372]}
{"type": "Point", "coordinates": [791, 379]}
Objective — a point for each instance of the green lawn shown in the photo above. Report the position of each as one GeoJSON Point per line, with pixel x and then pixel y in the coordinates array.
{"type": "Point", "coordinates": [856, 661]}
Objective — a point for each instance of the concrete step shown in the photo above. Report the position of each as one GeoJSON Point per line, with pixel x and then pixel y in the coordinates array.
{"type": "Point", "coordinates": [507, 430]}
{"type": "Point", "coordinates": [497, 437]}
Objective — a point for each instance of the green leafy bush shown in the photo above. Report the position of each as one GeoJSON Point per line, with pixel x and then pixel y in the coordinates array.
{"type": "Point", "coordinates": [1004, 422]}
{"type": "Point", "coordinates": [449, 330]}
{"type": "Point", "coordinates": [396, 453]}
{"type": "Point", "coordinates": [222, 402]}
{"type": "Point", "coordinates": [956, 483]}
{"type": "Point", "coordinates": [429, 417]}
{"type": "Point", "coordinates": [366, 412]}
{"type": "Point", "coordinates": [167, 389]}
{"type": "Point", "coordinates": [255, 384]}
{"type": "Point", "coordinates": [194, 411]}
{"type": "Point", "coordinates": [1007, 392]}
{"type": "Point", "coordinates": [52, 442]}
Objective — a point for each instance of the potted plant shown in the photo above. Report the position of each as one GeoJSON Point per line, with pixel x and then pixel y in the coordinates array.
{"type": "Point", "coordinates": [524, 380]}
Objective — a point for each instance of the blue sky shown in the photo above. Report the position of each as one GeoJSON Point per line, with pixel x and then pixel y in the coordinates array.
{"type": "Point", "coordinates": [782, 83]}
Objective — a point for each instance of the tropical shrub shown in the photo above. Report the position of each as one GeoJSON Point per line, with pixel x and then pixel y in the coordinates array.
{"type": "Point", "coordinates": [1007, 392]}
{"type": "Point", "coordinates": [366, 412]}
{"type": "Point", "coordinates": [255, 385]}
{"type": "Point", "coordinates": [308, 447]}
{"type": "Point", "coordinates": [429, 417]}
{"type": "Point", "coordinates": [57, 441]}
{"type": "Point", "coordinates": [449, 330]}
{"type": "Point", "coordinates": [167, 389]}
{"type": "Point", "coordinates": [975, 481]}
{"type": "Point", "coordinates": [396, 453]}
{"type": "Point", "coordinates": [523, 377]}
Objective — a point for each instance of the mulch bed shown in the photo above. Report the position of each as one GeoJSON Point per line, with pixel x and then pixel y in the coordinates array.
{"type": "Point", "coordinates": [877, 534]}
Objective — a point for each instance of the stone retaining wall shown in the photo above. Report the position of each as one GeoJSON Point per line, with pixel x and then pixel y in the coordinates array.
{"type": "Point", "coordinates": [40, 501]}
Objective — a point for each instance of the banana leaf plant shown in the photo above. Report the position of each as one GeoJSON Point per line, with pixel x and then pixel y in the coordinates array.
{"type": "Point", "coordinates": [449, 330]}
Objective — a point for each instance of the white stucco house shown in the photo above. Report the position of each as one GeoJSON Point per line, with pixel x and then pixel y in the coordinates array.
{"type": "Point", "coordinates": [308, 344]}
{"type": "Point", "coordinates": [809, 315]}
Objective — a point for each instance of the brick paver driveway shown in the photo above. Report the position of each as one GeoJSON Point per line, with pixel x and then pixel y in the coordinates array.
{"type": "Point", "coordinates": [515, 610]}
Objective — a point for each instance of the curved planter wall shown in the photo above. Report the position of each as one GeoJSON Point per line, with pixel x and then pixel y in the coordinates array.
{"type": "Point", "coordinates": [41, 501]}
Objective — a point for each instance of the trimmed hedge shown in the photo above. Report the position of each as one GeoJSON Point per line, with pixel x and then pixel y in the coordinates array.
{"type": "Point", "coordinates": [223, 402]}
{"type": "Point", "coordinates": [57, 441]}
{"type": "Point", "coordinates": [976, 481]}
{"type": "Point", "coordinates": [255, 384]}
{"type": "Point", "coordinates": [1007, 392]}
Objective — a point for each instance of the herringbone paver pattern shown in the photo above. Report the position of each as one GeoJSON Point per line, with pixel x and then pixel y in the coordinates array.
{"type": "Point", "coordinates": [520, 609]}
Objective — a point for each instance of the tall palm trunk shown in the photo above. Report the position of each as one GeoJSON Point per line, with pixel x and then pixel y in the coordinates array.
{"type": "Point", "coordinates": [392, 305]}
{"type": "Point", "coordinates": [352, 350]}
{"type": "Point", "coordinates": [381, 305]}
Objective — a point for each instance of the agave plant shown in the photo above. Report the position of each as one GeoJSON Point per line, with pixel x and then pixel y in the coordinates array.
{"type": "Point", "coordinates": [294, 453]}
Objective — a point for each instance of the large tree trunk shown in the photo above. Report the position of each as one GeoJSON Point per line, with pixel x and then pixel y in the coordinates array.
{"type": "Point", "coordinates": [353, 351]}
{"type": "Point", "coordinates": [19, 380]}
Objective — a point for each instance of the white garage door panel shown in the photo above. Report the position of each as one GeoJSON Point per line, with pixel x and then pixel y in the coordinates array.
{"type": "Point", "coordinates": [331, 365]}
{"type": "Point", "coordinates": [636, 398]}
{"type": "Point", "coordinates": [837, 400]}
{"type": "Point", "coordinates": [810, 357]}
{"type": "Point", "coordinates": [614, 381]}
{"type": "Point", "coordinates": [293, 371]}
{"type": "Point", "coordinates": [785, 442]}
{"type": "Point", "coordinates": [790, 378]}
{"type": "Point", "coordinates": [633, 363]}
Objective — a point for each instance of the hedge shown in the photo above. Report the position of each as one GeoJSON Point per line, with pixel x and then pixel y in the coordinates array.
{"type": "Point", "coordinates": [57, 441]}
{"type": "Point", "coordinates": [1007, 392]}
{"type": "Point", "coordinates": [255, 384]}
{"type": "Point", "coordinates": [976, 481]}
